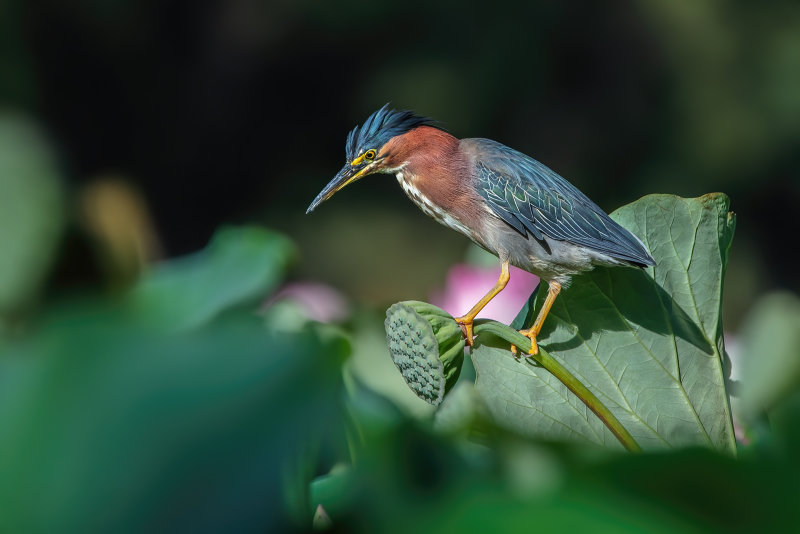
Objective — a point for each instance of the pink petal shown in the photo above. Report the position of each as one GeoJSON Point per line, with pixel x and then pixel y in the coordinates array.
{"type": "Point", "coordinates": [466, 284]}
{"type": "Point", "coordinates": [317, 301]}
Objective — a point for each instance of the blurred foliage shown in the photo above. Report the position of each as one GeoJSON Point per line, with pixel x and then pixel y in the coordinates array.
{"type": "Point", "coordinates": [31, 212]}
{"type": "Point", "coordinates": [413, 481]}
{"type": "Point", "coordinates": [237, 267]}
{"type": "Point", "coordinates": [770, 349]}
{"type": "Point", "coordinates": [166, 411]}
{"type": "Point", "coordinates": [113, 425]}
{"type": "Point", "coordinates": [172, 406]}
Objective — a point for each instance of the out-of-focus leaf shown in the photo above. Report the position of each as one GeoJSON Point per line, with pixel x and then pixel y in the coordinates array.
{"type": "Point", "coordinates": [648, 343]}
{"type": "Point", "coordinates": [239, 266]}
{"type": "Point", "coordinates": [409, 482]}
{"type": "Point", "coordinates": [110, 425]}
{"type": "Point", "coordinates": [334, 492]}
{"type": "Point", "coordinates": [460, 410]}
{"type": "Point", "coordinates": [31, 210]}
{"type": "Point", "coordinates": [322, 520]}
{"type": "Point", "coordinates": [770, 352]}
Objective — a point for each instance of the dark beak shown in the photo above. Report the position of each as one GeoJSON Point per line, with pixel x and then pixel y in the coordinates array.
{"type": "Point", "coordinates": [347, 175]}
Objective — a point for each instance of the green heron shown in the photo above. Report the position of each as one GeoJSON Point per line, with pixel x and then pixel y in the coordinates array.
{"type": "Point", "coordinates": [506, 202]}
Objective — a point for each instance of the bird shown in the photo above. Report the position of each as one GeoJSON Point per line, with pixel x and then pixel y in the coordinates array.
{"type": "Point", "coordinates": [503, 200]}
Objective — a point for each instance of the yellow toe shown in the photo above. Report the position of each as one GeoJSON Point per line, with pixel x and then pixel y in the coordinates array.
{"type": "Point", "coordinates": [466, 325]}
{"type": "Point", "coordinates": [530, 334]}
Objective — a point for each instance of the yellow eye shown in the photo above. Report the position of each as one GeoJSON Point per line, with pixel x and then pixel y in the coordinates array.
{"type": "Point", "coordinates": [370, 154]}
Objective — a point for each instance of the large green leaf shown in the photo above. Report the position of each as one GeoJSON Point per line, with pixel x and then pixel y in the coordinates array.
{"type": "Point", "coordinates": [648, 343]}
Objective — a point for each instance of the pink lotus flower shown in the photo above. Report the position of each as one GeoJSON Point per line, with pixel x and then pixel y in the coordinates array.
{"type": "Point", "coordinates": [466, 284]}
{"type": "Point", "coordinates": [318, 302]}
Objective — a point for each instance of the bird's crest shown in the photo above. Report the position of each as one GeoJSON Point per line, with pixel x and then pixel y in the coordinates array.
{"type": "Point", "coordinates": [380, 127]}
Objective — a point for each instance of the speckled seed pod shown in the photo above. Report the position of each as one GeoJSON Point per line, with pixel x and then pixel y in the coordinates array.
{"type": "Point", "coordinates": [427, 346]}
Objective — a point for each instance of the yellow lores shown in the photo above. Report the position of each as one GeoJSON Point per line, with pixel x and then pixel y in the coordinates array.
{"type": "Point", "coordinates": [369, 155]}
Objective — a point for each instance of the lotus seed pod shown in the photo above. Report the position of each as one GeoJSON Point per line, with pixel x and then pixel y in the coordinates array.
{"type": "Point", "coordinates": [427, 346]}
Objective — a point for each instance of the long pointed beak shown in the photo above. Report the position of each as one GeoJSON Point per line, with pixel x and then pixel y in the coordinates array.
{"type": "Point", "coordinates": [344, 177]}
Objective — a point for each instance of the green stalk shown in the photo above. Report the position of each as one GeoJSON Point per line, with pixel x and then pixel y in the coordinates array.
{"type": "Point", "coordinates": [566, 378]}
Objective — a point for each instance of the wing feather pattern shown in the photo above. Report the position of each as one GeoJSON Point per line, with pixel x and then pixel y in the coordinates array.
{"type": "Point", "coordinates": [534, 200]}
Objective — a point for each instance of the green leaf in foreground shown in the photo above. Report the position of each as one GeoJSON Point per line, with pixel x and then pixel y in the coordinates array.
{"type": "Point", "coordinates": [112, 425]}
{"type": "Point", "coordinates": [648, 343]}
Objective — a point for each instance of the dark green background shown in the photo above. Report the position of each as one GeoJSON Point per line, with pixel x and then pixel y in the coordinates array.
{"type": "Point", "coordinates": [173, 407]}
{"type": "Point", "coordinates": [238, 111]}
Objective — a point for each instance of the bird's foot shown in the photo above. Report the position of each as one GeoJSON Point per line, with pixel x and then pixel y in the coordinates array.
{"type": "Point", "coordinates": [466, 325]}
{"type": "Point", "coordinates": [530, 334]}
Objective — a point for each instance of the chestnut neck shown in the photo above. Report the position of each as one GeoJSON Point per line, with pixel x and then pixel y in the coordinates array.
{"type": "Point", "coordinates": [422, 152]}
{"type": "Point", "coordinates": [434, 172]}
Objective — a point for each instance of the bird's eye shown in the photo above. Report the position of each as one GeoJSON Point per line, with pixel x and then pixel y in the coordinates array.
{"type": "Point", "coordinates": [370, 154]}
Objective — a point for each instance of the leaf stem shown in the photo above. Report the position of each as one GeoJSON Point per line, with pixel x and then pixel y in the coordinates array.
{"type": "Point", "coordinates": [565, 377]}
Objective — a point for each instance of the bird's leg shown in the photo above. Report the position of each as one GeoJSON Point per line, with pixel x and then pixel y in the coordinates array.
{"type": "Point", "coordinates": [552, 292]}
{"type": "Point", "coordinates": [465, 321]}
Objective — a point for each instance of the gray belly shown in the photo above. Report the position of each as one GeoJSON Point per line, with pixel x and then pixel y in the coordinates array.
{"type": "Point", "coordinates": [551, 260]}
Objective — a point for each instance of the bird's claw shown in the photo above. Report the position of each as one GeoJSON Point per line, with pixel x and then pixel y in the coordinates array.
{"type": "Point", "coordinates": [466, 329]}
{"type": "Point", "coordinates": [530, 334]}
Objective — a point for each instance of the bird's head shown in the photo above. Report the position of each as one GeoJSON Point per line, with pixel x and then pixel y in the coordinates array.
{"type": "Point", "coordinates": [369, 150]}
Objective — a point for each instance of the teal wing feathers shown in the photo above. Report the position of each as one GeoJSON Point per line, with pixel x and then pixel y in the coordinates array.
{"type": "Point", "coordinates": [535, 201]}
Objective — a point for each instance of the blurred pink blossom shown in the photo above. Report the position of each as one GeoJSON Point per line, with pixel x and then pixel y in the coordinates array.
{"type": "Point", "coordinates": [466, 284]}
{"type": "Point", "coordinates": [318, 302]}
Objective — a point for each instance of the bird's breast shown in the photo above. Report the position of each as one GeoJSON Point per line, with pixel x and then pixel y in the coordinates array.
{"type": "Point", "coordinates": [429, 207]}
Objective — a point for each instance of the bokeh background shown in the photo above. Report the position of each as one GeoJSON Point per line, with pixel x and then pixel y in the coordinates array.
{"type": "Point", "coordinates": [131, 130]}
{"type": "Point", "coordinates": [215, 112]}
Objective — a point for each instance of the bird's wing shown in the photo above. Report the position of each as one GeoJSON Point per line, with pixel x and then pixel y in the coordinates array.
{"type": "Point", "coordinates": [534, 200]}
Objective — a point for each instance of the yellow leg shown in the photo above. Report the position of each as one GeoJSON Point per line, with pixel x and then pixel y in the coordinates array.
{"type": "Point", "coordinates": [466, 320]}
{"type": "Point", "coordinates": [552, 292]}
